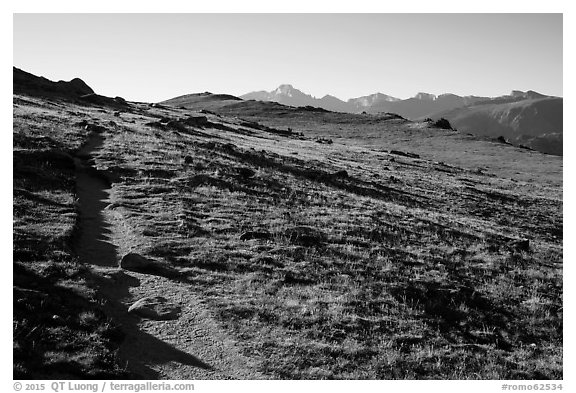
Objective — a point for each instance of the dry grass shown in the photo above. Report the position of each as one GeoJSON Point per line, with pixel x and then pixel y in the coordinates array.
{"type": "Point", "coordinates": [400, 267]}
{"type": "Point", "coordinates": [60, 330]}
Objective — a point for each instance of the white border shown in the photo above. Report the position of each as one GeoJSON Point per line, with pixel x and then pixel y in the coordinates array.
{"type": "Point", "coordinates": [301, 6]}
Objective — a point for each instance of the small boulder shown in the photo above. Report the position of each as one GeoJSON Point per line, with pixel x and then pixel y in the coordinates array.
{"type": "Point", "coordinates": [520, 245]}
{"type": "Point", "coordinates": [503, 140]}
{"type": "Point", "coordinates": [95, 128]}
{"type": "Point", "coordinates": [136, 262]}
{"type": "Point", "coordinates": [196, 121]}
{"type": "Point", "coordinates": [246, 173]}
{"type": "Point", "coordinates": [250, 235]}
{"type": "Point", "coordinates": [404, 154]}
{"type": "Point", "coordinates": [305, 236]}
{"type": "Point", "coordinates": [155, 124]}
{"type": "Point", "coordinates": [157, 308]}
{"type": "Point", "coordinates": [176, 125]}
{"type": "Point", "coordinates": [342, 174]}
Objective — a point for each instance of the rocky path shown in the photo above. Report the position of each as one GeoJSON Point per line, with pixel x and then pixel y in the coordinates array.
{"type": "Point", "coordinates": [190, 344]}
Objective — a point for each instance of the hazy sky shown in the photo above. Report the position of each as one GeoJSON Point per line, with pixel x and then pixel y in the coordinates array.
{"type": "Point", "coordinates": [152, 57]}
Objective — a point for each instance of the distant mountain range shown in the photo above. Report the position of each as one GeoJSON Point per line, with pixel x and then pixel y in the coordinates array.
{"type": "Point", "coordinates": [421, 105]}
{"type": "Point", "coordinates": [525, 118]}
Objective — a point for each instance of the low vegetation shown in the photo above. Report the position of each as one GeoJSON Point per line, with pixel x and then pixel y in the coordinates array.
{"type": "Point", "coordinates": [60, 330]}
{"type": "Point", "coordinates": [368, 259]}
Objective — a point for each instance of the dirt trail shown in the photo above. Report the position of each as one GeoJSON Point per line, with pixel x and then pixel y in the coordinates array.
{"type": "Point", "coordinates": [193, 346]}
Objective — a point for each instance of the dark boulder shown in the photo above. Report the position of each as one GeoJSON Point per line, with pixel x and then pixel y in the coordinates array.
{"type": "Point", "coordinates": [503, 140]}
{"type": "Point", "coordinates": [137, 262]}
{"type": "Point", "coordinates": [246, 173]}
{"type": "Point", "coordinates": [175, 125]}
{"type": "Point", "coordinates": [95, 128]}
{"type": "Point", "coordinates": [261, 235]}
{"type": "Point", "coordinates": [196, 121]}
{"type": "Point", "coordinates": [341, 174]}
{"type": "Point", "coordinates": [521, 245]}
{"type": "Point", "coordinates": [404, 154]}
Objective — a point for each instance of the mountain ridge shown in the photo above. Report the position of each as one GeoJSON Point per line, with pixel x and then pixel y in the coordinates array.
{"type": "Point", "coordinates": [420, 105]}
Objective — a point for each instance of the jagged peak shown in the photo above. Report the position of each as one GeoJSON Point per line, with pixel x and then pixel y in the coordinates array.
{"type": "Point", "coordinates": [425, 96]}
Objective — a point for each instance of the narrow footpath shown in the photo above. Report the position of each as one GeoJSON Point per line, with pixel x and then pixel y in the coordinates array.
{"type": "Point", "coordinates": [191, 346]}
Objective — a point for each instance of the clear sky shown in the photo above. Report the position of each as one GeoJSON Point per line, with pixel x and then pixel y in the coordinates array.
{"type": "Point", "coordinates": [152, 57]}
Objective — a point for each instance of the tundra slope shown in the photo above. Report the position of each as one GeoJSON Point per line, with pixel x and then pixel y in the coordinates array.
{"type": "Point", "coordinates": [524, 118]}
{"type": "Point", "coordinates": [289, 256]}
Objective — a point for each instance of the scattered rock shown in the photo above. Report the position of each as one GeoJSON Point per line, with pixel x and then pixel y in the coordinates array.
{"type": "Point", "coordinates": [520, 245]}
{"type": "Point", "coordinates": [503, 140]}
{"type": "Point", "coordinates": [228, 147]}
{"type": "Point", "coordinates": [175, 125]}
{"type": "Point", "coordinates": [137, 262]}
{"type": "Point", "coordinates": [157, 308]}
{"type": "Point", "coordinates": [196, 121]}
{"type": "Point", "coordinates": [210, 112]}
{"type": "Point", "coordinates": [341, 173]}
{"type": "Point", "coordinates": [246, 173]}
{"type": "Point", "coordinates": [404, 154]}
{"type": "Point", "coordinates": [155, 124]}
{"type": "Point", "coordinates": [263, 235]}
{"type": "Point", "coordinates": [149, 232]}
{"type": "Point", "coordinates": [305, 236]}
{"type": "Point", "coordinates": [324, 141]}
{"type": "Point", "coordinates": [95, 128]}
{"type": "Point", "coordinates": [208, 145]}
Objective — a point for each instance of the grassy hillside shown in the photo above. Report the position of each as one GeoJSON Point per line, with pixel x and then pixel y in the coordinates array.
{"type": "Point", "coordinates": [286, 243]}
{"type": "Point", "coordinates": [387, 132]}
{"type": "Point", "coordinates": [60, 329]}
{"type": "Point", "coordinates": [205, 100]}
